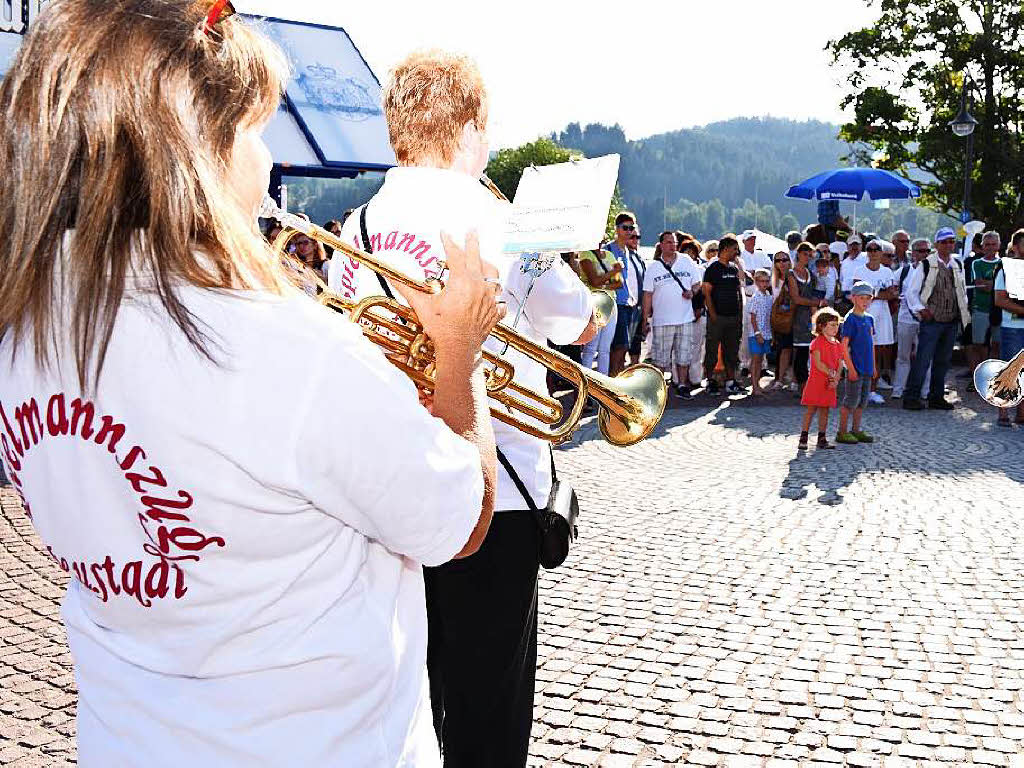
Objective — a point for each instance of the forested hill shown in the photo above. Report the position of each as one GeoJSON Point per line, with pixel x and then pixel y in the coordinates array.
{"type": "Point", "coordinates": [723, 177]}
{"type": "Point", "coordinates": [730, 162]}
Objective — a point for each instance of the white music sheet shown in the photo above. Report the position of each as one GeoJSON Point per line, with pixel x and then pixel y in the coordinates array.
{"type": "Point", "coordinates": [1014, 271]}
{"type": "Point", "coordinates": [562, 207]}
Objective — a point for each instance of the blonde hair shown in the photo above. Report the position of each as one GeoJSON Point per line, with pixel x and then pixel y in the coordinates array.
{"type": "Point", "coordinates": [428, 99]}
{"type": "Point", "coordinates": [120, 121]}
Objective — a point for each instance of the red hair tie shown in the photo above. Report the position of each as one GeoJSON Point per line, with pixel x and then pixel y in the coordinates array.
{"type": "Point", "coordinates": [220, 10]}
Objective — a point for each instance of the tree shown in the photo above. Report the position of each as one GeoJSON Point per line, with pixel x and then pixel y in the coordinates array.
{"type": "Point", "coordinates": [907, 73]}
{"type": "Point", "coordinates": [788, 223]}
{"type": "Point", "coordinates": [506, 168]}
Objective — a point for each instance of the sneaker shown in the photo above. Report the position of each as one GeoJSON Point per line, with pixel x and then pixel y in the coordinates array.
{"type": "Point", "coordinates": [794, 387]}
{"type": "Point", "coordinates": [847, 438]}
{"type": "Point", "coordinates": [734, 389]}
{"type": "Point", "coordinates": [897, 394]}
{"type": "Point", "coordinates": [883, 384]}
{"type": "Point", "coordinates": [863, 437]}
{"type": "Point", "coordinates": [876, 398]}
{"type": "Point", "coordinates": [802, 445]}
{"type": "Point", "coordinates": [940, 405]}
{"type": "Point", "coordinates": [823, 443]}
{"type": "Point", "coordinates": [713, 387]}
{"type": "Point", "coordinates": [912, 405]}
{"type": "Point", "coordinates": [683, 391]}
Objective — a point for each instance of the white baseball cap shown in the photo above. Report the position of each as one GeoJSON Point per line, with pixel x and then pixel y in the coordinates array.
{"type": "Point", "coordinates": [854, 239]}
{"type": "Point", "coordinates": [747, 234]}
{"type": "Point", "coordinates": [838, 248]}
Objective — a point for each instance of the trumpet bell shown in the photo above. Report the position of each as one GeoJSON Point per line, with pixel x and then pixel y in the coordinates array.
{"type": "Point", "coordinates": [633, 403]}
{"type": "Point", "coordinates": [992, 387]}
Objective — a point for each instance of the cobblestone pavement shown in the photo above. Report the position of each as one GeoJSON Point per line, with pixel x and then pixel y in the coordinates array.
{"type": "Point", "coordinates": [731, 603]}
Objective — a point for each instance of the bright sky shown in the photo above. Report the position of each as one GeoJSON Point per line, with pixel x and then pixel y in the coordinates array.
{"type": "Point", "coordinates": [649, 66]}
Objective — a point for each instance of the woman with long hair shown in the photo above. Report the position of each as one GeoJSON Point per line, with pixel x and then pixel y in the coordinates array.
{"type": "Point", "coordinates": [800, 281]}
{"type": "Point", "coordinates": [246, 565]}
{"type": "Point", "coordinates": [782, 342]}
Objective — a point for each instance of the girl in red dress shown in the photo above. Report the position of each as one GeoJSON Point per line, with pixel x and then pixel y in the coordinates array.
{"type": "Point", "coordinates": [820, 391]}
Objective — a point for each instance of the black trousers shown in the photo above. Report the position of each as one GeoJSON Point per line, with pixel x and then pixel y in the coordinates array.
{"type": "Point", "coordinates": [801, 364]}
{"type": "Point", "coordinates": [482, 647]}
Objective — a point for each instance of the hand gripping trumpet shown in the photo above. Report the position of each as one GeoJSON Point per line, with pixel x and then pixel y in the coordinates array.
{"type": "Point", "coordinates": [630, 404]}
{"type": "Point", "coordinates": [1001, 384]}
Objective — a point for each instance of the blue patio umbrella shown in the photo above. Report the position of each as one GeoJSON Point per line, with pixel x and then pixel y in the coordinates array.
{"type": "Point", "coordinates": [852, 184]}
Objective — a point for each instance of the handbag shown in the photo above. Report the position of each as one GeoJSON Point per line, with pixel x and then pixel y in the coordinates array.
{"type": "Point", "coordinates": [556, 521]}
{"type": "Point", "coordinates": [781, 318]}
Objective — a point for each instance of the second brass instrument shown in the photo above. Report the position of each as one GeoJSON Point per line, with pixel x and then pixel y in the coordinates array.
{"type": "Point", "coordinates": [630, 404]}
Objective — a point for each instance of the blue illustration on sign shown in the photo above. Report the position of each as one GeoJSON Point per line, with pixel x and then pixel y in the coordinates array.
{"type": "Point", "coordinates": [347, 97]}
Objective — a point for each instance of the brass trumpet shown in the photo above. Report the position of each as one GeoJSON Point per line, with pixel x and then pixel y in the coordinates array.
{"type": "Point", "coordinates": [630, 404]}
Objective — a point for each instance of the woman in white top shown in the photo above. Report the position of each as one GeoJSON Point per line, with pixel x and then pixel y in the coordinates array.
{"type": "Point", "coordinates": [246, 564]}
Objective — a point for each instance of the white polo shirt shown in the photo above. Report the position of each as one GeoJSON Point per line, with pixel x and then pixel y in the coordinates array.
{"type": "Point", "coordinates": [245, 536]}
{"type": "Point", "coordinates": [404, 221]}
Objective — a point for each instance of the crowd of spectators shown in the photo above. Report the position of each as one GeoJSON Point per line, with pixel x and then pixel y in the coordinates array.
{"type": "Point", "coordinates": [727, 317]}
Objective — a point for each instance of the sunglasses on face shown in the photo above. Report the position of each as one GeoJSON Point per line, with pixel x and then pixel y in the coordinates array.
{"type": "Point", "coordinates": [922, 250]}
{"type": "Point", "coordinates": [781, 261]}
{"type": "Point", "coordinates": [627, 227]}
{"type": "Point", "coordinates": [873, 250]}
{"type": "Point", "coordinates": [712, 250]}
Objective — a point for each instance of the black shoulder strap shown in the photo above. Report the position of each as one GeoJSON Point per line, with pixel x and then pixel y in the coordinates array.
{"type": "Point", "coordinates": [520, 486]}
{"type": "Point", "coordinates": [369, 249]}
{"type": "Point", "coordinates": [599, 260]}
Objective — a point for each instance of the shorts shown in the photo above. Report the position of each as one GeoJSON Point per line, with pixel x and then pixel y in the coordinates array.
{"type": "Point", "coordinates": [979, 327]}
{"type": "Point", "coordinates": [1012, 342]}
{"type": "Point", "coordinates": [855, 393]}
{"type": "Point", "coordinates": [624, 326]}
{"type": "Point", "coordinates": [782, 341]}
{"type": "Point", "coordinates": [671, 344]}
{"type": "Point", "coordinates": [759, 349]}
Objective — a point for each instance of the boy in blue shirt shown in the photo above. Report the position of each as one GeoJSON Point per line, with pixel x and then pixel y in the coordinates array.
{"type": "Point", "coordinates": [857, 335]}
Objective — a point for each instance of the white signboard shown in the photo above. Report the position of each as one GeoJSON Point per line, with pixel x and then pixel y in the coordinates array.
{"type": "Point", "coordinates": [1014, 271]}
{"type": "Point", "coordinates": [562, 207]}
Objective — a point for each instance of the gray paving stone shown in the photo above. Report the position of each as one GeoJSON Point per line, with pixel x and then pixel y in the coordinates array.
{"type": "Point", "coordinates": [704, 620]}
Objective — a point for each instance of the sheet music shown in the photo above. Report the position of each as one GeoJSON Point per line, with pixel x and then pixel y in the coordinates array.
{"type": "Point", "coordinates": [562, 207]}
{"type": "Point", "coordinates": [1014, 271]}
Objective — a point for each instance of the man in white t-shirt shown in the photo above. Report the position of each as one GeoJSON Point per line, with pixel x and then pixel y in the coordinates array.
{"type": "Point", "coordinates": [482, 611]}
{"type": "Point", "coordinates": [668, 310]}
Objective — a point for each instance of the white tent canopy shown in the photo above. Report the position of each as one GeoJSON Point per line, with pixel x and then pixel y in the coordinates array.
{"type": "Point", "coordinates": [769, 243]}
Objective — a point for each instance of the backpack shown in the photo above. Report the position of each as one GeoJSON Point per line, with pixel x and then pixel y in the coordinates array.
{"type": "Point", "coordinates": [783, 310]}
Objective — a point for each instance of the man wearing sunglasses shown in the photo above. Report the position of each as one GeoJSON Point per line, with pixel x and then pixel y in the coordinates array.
{"type": "Point", "coordinates": [628, 296]}
{"type": "Point", "coordinates": [937, 295]}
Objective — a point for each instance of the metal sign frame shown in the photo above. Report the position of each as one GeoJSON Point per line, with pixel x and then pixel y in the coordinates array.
{"type": "Point", "coordinates": [328, 169]}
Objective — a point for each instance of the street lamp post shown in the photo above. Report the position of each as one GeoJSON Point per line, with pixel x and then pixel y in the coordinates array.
{"type": "Point", "coordinates": [963, 125]}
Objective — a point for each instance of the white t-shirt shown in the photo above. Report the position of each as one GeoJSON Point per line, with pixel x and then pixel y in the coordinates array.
{"type": "Point", "coordinates": [246, 536]}
{"type": "Point", "coordinates": [669, 306]}
{"type": "Point", "coordinates": [404, 221]}
{"type": "Point", "coordinates": [879, 279]}
{"type": "Point", "coordinates": [905, 315]}
{"type": "Point", "coordinates": [849, 269]}
{"type": "Point", "coordinates": [753, 262]}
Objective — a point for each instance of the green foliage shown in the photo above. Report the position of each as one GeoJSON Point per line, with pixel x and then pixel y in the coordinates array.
{"type": "Point", "coordinates": [904, 88]}
{"type": "Point", "coordinates": [507, 166]}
